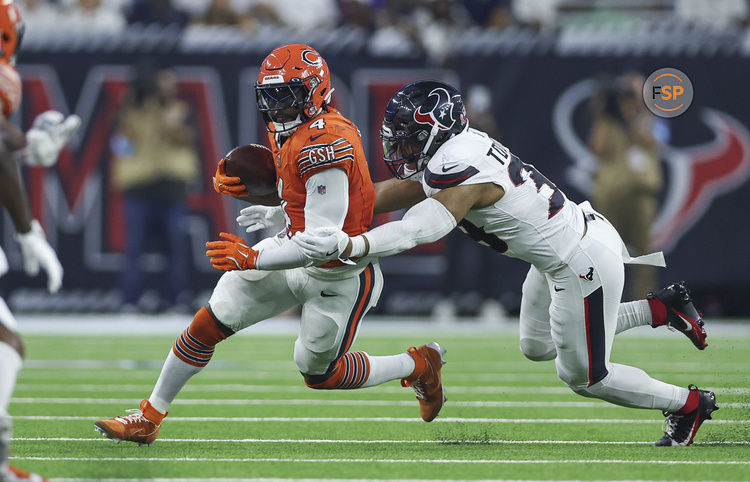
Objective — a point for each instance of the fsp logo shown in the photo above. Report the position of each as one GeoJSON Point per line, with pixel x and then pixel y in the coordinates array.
{"type": "Point", "coordinates": [668, 92]}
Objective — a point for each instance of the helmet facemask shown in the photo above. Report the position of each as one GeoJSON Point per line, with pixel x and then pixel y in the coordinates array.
{"type": "Point", "coordinates": [286, 105]}
{"type": "Point", "coordinates": [404, 152]}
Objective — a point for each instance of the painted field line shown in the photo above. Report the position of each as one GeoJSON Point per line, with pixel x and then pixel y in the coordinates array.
{"type": "Point", "coordinates": [372, 442]}
{"type": "Point", "coordinates": [373, 403]}
{"type": "Point", "coordinates": [304, 389]}
{"type": "Point", "coordinates": [378, 419]}
{"type": "Point", "coordinates": [287, 365]}
{"type": "Point", "coordinates": [267, 479]}
{"type": "Point", "coordinates": [387, 461]}
{"type": "Point", "coordinates": [241, 387]}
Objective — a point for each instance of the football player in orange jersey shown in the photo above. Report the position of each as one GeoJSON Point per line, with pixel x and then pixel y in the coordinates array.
{"type": "Point", "coordinates": [322, 179]}
{"type": "Point", "coordinates": [39, 147]}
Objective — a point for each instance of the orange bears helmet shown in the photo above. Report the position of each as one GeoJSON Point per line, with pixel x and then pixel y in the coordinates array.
{"type": "Point", "coordinates": [294, 85]}
{"type": "Point", "coordinates": [11, 32]}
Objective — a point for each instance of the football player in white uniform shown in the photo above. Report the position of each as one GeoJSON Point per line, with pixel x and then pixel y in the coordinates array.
{"type": "Point", "coordinates": [453, 175]}
{"type": "Point", "coordinates": [38, 147]}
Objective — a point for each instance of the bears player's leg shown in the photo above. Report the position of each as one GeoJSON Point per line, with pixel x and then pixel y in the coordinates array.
{"type": "Point", "coordinates": [11, 355]}
{"type": "Point", "coordinates": [331, 316]}
{"type": "Point", "coordinates": [239, 300]}
{"type": "Point", "coordinates": [535, 339]}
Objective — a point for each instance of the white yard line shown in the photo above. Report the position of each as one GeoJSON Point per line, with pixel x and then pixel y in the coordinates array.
{"type": "Point", "coordinates": [287, 366]}
{"type": "Point", "coordinates": [387, 461]}
{"type": "Point", "coordinates": [374, 403]}
{"type": "Point", "coordinates": [241, 387]}
{"type": "Point", "coordinates": [378, 419]}
{"type": "Point", "coordinates": [372, 442]}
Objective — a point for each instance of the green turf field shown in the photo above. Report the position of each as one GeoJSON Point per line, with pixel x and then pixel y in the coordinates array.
{"type": "Point", "coordinates": [249, 416]}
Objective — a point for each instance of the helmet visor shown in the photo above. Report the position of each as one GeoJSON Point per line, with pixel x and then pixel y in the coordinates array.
{"type": "Point", "coordinates": [402, 153]}
{"type": "Point", "coordinates": [281, 103]}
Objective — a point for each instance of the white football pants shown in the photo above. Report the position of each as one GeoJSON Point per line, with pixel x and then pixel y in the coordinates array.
{"type": "Point", "coordinates": [571, 312]}
{"type": "Point", "coordinates": [331, 309]}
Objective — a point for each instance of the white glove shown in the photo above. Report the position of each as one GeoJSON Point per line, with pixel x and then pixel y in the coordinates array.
{"type": "Point", "coordinates": [259, 217]}
{"type": "Point", "coordinates": [37, 251]}
{"type": "Point", "coordinates": [323, 244]}
{"type": "Point", "coordinates": [48, 134]}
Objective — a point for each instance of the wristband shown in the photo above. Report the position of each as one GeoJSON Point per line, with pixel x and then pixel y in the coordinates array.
{"type": "Point", "coordinates": [359, 246]}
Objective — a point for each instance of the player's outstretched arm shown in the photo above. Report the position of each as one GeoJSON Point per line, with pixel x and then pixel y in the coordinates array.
{"type": "Point", "coordinates": [395, 194]}
{"type": "Point", "coordinates": [426, 222]}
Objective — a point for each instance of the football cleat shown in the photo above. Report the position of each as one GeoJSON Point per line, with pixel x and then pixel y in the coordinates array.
{"type": "Point", "coordinates": [13, 474]}
{"type": "Point", "coordinates": [426, 379]}
{"type": "Point", "coordinates": [680, 429]}
{"type": "Point", "coordinates": [682, 315]}
{"type": "Point", "coordinates": [141, 426]}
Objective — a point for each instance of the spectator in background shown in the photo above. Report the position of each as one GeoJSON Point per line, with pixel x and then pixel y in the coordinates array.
{"type": "Point", "coordinates": [95, 16]}
{"type": "Point", "coordinates": [38, 15]}
{"type": "Point", "coordinates": [479, 110]}
{"type": "Point", "coordinates": [628, 181]}
{"type": "Point", "coordinates": [219, 12]}
{"type": "Point", "coordinates": [156, 11]}
{"type": "Point", "coordinates": [154, 162]}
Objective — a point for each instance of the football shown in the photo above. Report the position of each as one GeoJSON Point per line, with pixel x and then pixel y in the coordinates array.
{"type": "Point", "coordinates": [253, 164]}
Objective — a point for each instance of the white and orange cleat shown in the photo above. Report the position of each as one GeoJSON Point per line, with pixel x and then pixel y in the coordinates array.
{"type": "Point", "coordinates": [13, 474]}
{"type": "Point", "coordinates": [426, 379]}
{"type": "Point", "coordinates": [141, 426]}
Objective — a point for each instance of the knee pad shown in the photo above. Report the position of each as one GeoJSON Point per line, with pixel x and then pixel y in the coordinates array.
{"type": "Point", "coordinates": [349, 371]}
{"type": "Point", "coordinates": [195, 346]}
{"type": "Point", "coordinates": [536, 350]}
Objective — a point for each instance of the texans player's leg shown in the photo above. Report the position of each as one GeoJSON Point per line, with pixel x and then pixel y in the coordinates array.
{"type": "Point", "coordinates": [584, 321]}
{"type": "Point", "coordinates": [535, 338]}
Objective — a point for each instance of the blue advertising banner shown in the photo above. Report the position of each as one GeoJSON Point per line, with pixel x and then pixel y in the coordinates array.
{"type": "Point", "coordinates": [540, 103]}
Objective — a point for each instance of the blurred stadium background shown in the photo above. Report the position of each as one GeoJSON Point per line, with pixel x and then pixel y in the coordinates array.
{"type": "Point", "coordinates": [527, 67]}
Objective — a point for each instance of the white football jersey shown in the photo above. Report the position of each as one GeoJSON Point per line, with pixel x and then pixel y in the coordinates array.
{"type": "Point", "coordinates": [534, 221]}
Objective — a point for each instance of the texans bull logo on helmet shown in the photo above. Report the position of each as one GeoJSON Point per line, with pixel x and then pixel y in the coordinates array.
{"type": "Point", "coordinates": [443, 118]}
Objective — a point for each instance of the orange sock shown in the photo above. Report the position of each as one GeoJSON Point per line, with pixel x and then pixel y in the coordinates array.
{"type": "Point", "coordinates": [350, 371]}
{"type": "Point", "coordinates": [196, 344]}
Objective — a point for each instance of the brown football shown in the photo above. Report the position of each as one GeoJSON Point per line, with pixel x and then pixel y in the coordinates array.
{"type": "Point", "coordinates": [253, 164]}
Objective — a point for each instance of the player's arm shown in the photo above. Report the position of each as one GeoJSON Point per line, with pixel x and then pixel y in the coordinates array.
{"type": "Point", "coordinates": [425, 222]}
{"type": "Point", "coordinates": [12, 193]}
{"type": "Point", "coordinates": [394, 194]}
{"type": "Point", "coordinates": [34, 247]}
{"type": "Point", "coordinates": [323, 207]}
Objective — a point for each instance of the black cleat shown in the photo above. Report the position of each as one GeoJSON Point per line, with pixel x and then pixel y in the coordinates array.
{"type": "Point", "coordinates": [680, 429]}
{"type": "Point", "coordinates": [682, 315]}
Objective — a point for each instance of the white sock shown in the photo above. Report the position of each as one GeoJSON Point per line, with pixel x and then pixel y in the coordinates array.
{"type": "Point", "coordinates": [10, 365]}
{"type": "Point", "coordinates": [174, 375]}
{"type": "Point", "coordinates": [632, 314]}
{"type": "Point", "coordinates": [387, 368]}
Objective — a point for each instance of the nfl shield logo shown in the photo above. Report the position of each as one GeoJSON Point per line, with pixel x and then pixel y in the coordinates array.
{"type": "Point", "coordinates": [321, 189]}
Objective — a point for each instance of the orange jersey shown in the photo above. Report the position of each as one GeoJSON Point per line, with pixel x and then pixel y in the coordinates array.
{"type": "Point", "coordinates": [330, 140]}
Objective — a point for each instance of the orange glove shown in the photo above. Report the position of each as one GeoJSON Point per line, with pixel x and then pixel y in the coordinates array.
{"type": "Point", "coordinates": [231, 254]}
{"type": "Point", "coordinates": [229, 185]}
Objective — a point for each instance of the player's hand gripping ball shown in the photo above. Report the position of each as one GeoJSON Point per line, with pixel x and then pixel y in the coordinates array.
{"type": "Point", "coordinates": [248, 172]}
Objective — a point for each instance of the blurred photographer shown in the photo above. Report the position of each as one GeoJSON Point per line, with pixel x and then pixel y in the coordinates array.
{"type": "Point", "coordinates": [629, 179]}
